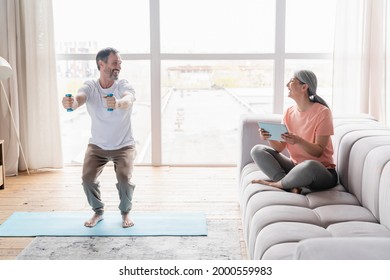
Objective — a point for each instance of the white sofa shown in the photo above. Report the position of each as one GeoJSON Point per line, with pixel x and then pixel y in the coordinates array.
{"type": "Point", "coordinates": [349, 221]}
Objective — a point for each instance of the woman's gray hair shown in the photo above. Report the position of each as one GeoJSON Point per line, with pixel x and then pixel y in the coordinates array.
{"type": "Point", "coordinates": [308, 77]}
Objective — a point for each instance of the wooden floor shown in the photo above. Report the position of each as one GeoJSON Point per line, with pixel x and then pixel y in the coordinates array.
{"type": "Point", "coordinates": [209, 189]}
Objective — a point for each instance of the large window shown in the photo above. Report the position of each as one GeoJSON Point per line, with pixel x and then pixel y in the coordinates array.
{"type": "Point", "coordinates": [204, 103]}
{"type": "Point", "coordinates": [89, 25]}
{"type": "Point", "coordinates": [93, 25]}
{"type": "Point", "coordinates": [310, 26]}
{"type": "Point", "coordinates": [217, 26]}
{"type": "Point", "coordinates": [196, 66]}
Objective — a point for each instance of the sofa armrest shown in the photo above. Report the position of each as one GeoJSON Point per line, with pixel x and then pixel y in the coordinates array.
{"type": "Point", "coordinates": [344, 248]}
{"type": "Point", "coordinates": [249, 135]}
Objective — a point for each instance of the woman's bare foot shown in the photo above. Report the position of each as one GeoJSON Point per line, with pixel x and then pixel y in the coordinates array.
{"type": "Point", "coordinates": [296, 190]}
{"type": "Point", "coordinates": [276, 185]}
{"type": "Point", "coordinates": [268, 183]}
{"type": "Point", "coordinates": [94, 220]}
{"type": "Point", "coordinates": [127, 221]}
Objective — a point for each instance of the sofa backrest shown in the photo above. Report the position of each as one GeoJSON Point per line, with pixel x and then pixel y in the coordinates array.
{"type": "Point", "coordinates": [368, 158]}
{"type": "Point", "coordinates": [362, 156]}
{"type": "Point", "coordinates": [345, 124]}
{"type": "Point", "coordinates": [345, 138]}
{"type": "Point", "coordinates": [384, 195]}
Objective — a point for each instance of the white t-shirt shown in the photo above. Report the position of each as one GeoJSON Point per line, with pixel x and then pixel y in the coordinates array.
{"type": "Point", "coordinates": [110, 130]}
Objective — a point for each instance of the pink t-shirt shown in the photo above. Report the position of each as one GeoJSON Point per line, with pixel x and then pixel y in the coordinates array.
{"type": "Point", "coordinates": [317, 121]}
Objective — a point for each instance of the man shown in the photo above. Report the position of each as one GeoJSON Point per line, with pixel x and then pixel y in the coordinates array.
{"type": "Point", "coordinates": [111, 133]}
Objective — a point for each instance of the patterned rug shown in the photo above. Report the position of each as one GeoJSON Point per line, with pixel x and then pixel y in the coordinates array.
{"type": "Point", "coordinates": [222, 243]}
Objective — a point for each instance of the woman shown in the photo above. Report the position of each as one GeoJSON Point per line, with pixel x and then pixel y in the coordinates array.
{"type": "Point", "coordinates": [308, 141]}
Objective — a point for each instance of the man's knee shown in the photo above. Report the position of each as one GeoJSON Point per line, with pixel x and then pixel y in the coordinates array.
{"type": "Point", "coordinates": [124, 172]}
{"type": "Point", "coordinates": [90, 175]}
{"type": "Point", "coordinates": [88, 179]}
{"type": "Point", "coordinates": [123, 177]}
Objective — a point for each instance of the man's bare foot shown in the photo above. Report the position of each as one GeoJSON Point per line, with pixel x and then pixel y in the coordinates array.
{"type": "Point", "coordinates": [127, 221]}
{"type": "Point", "coordinates": [94, 220]}
{"type": "Point", "coordinates": [268, 183]}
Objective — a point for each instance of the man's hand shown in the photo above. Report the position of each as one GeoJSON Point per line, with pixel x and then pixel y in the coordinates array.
{"type": "Point", "coordinates": [69, 102]}
{"type": "Point", "coordinates": [111, 102]}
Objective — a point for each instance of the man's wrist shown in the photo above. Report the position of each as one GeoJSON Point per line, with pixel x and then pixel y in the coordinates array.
{"type": "Point", "coordinates": [75, 104]}
{"type": "Point", "coordinates": [123, 104]}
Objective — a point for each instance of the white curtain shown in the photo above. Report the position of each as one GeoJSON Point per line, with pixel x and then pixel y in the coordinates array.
{"type": "Point", "coordinates": [27, 43]}
{"type": "Point", "coordinates": [359, 81]}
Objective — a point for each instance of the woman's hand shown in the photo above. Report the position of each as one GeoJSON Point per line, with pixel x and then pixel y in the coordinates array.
{"type": "Point", "coordinates": [264, 135]}
{"type": "Point", "coordinates": [277, 145]}
{"type": "Point", "coordinates": [291, 138]}
{"type": "Point", "coordinates": [315, 149]}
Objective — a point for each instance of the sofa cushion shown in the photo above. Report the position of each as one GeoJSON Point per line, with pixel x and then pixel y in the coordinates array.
{"type": "Point", "coordinates": [323, 216]}
{"type": "Point", "coordinates": [285, 232]}
{"type": "Point", "coordinates": [358, 248]}
{"type": "Point", "coordinates": [331, 214]}
{"type": "Point", "coordinates": [358, 229]}
{"type": "Point", "coordinates": [255, 198]}
{"type": "Point", "coordinates": [263, 199]}
{"type": "Point", "coordinates": [336, 195]}
{"type": "Point", "coordinates": [282, 251]}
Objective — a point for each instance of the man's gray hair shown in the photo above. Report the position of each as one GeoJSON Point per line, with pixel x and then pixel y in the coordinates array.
{"type": "Point", "coordinates": [104, 54]}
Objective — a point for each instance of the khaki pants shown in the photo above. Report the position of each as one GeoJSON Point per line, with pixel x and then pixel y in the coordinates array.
{"type": "Point", "coordinates": [94, 162]}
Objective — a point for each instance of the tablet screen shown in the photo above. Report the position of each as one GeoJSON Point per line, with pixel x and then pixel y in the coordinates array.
{"type": "Point", "coordinates": [275, 129]}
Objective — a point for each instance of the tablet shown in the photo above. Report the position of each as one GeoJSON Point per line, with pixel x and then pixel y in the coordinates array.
{"type": "Point", "coordinates": [275, 129]}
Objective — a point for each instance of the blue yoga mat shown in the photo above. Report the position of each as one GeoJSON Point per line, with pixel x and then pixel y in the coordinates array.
{"type": "Point", "coordinates": [72, 224]}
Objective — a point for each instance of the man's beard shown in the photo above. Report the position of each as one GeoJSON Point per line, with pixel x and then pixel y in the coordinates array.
{"type": "Point", "coordinates": [114, 74]}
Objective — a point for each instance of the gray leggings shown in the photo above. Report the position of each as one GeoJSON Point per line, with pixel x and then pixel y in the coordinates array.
{"type": "Point", "coordinates": [311, 174]}
{"type": "Point", "coordinates": [94, 162]}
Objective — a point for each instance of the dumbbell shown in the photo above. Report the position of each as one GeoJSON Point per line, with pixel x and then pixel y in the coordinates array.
{"type": "Point", "coordinates": [69, 109]}
{"type": "Point", "coordinates": [110, 109]}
